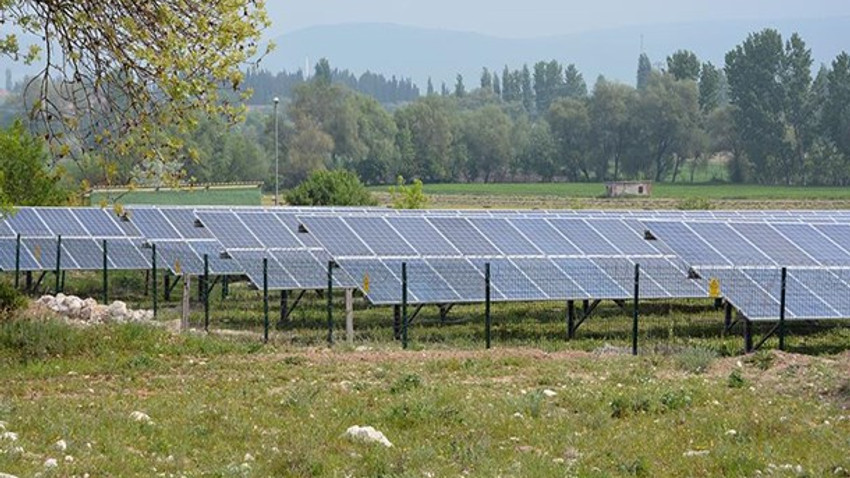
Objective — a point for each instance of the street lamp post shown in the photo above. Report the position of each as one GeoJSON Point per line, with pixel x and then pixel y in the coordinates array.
{"type": "Point", "coordinates": [276, 157]}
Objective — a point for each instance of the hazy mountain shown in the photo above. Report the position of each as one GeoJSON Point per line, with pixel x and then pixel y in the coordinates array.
{"type": "Point", "coordinates": [441, 54]}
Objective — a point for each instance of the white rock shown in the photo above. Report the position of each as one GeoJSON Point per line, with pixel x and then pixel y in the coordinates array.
{"type": "Point", "coordinates": [248, 457]}
{"type": "Point", "coordinates": [550, 393]}
{"type": "Point", "coordinates": [61, 445]}
{"type": "Point", "coordinates": [90, 302]}
{"type": "Point", "coordinates": [7, 475]}
{"type": "Point", "coordinates": [51, 463]}
{"type": "Point", "coordinates": [367, 434]}
{"type": "Point", "coordinates": [731, 432]}
{"type": "Point", "coordinates": [141, 417]}
{"type": "Point", "coordinates": [118, 310]}
{"type": "Point", "coordinates": [518, 415]}
{"type": "Point", "coordinates": [691, 453]}
{"type": "Point", "coordinates": [69, 459]}
{"type": "Point", "coordinates": [9, 436]}
{"type": "Point", "coordinates": [60, 297]}
{"type": "Point", "coordinates": [2, 426]}
{"type": "Point", "coordinates": [45, 299]}
{"type": "Point", "coordinates": [99, 313]}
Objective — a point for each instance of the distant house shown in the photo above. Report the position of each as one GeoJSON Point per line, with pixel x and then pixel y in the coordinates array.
{"type": "Point", "coordinates": [617, 189]}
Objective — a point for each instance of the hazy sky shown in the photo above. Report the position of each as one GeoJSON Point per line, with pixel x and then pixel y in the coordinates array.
{"type": "Point", "coordinates": [529, 18]}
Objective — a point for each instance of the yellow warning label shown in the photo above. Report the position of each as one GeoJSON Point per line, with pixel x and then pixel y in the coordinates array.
{"type": "Point", "coordinates": [177, 268]}
{"type": "Point", "coordinates": [37, 252]}
{"type": "Point", "coordinates": [366, 283]}
{"type": "Point", "coordinates": [714, 288]}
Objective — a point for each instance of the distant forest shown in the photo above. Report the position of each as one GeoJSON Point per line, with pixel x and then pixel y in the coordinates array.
{"type": "Point", "coordinates": [768, 115]}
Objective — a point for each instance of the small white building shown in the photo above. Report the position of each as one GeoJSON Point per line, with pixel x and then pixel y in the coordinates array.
{"type": "Point", "coordinates": [616, 189]}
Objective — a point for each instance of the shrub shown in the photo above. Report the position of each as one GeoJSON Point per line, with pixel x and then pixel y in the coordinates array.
{"type": "Point", "coordinates": [408, 196]}
{"type": "Point", "coordinates": [694, 203]}
{"type": "Point", "coordinates": [10, 299]}
{"type": "Point", "coordinates": [331, 188]}
{"type": "Point", "coordinates": [695, 360]}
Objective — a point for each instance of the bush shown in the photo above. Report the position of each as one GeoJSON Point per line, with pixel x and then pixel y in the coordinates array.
{"type": "Point", "coordinates": [331, 188]}
{"type": "Point", "coordinates": [695, 360]}
{"type": "Point", "coordinates": [408, 197]}
{"type": "Point", "coordinates": [10, 299]}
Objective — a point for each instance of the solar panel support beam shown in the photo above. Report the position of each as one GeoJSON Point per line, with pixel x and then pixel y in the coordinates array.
{"type": "Point", "coordinates": [330, 303]}
{"type": "Point", "coordinates": [58, 264]}
{"type": "Point", "coordinates": [206, 295]}
{"type": "Point", "coordinates": [636, 311]}
{"type": "Point", "coordinates": [18, 261]}
{"type": "Point", "coordinates": [727, 317]}
{"type": "Point", "coordinates": [153, 272]}
{"type": "Point", "coordinates": [105, 273]}
{"type": "Point", "coordinates": [265, 300]}
{"type": "Point", "coordinates": [166, 286]}
{"type": "Point", "coordinates": [397, 322]}
{"type": "Point", "coordinates": [748, 335]}
{"type": "Point", "coordinates": [487, 318]}
{"type": "Point", "coordinates": [284, 308]}
{"type": "Point", "coordinates": [349, 316]}
{"type": "Point", "coordinates": [781, 325]}
{"type": "Point", "coordinates": [571, 319]}
{"type": "Point", "coordinates": [404, 321]}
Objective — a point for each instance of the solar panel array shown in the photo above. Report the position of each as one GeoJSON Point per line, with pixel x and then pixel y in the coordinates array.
{"type": "Point", "coordinates": [531, 258]}
{"type": "Point", "coordinates": [533, 254]}
{"type": "Point", "coordinates": [747, 257]}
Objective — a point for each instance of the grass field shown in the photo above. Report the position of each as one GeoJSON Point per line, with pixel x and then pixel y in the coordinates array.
{"type": "Point", "coordinates": [659, 190]}
{"type": "Point", "coordinates": [251, 196]}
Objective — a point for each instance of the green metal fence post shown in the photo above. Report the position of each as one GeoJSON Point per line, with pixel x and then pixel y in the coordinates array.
{"type": "Point", "coordinates": [782, 310]}
{"type": "Point", "coordinates": [18, 261]}
{"type": "Point", "coordinates": [153, 273]}
{"type": "Point", "coordinates": [636, 311]}
{"type": "Point", "coordinates": [58, 263]}
{"type": "Point", "coordinates": [487, 317]}
{"type": "Point", "coordinates": [404, 305]}
{"type": "Point", "coordinates": [265, 300]}
{"type": "Point", "coordinates": [105, 273]}
{"type": "Point", "coordinates": [330, 303]}
{"type": "Point", "coordinates": [206, 293]}
{"type": "Point", "coordinates": [571, 319]}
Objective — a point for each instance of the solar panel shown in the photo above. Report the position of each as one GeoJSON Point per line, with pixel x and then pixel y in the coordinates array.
{"type": "Point", "coordinates": [424, 238]}
{"type": "Point", "coordinates": [505, 236]}
{"type": "Point", "coordinates": [179, 258]}
{"type": "Point", "coordinates": [584, 237]}
{"type": "Point", "coordinates": [593, 280]}
{"type": "Point", "coordinates": [290, 220]}
{"type": "Point", "coordinates": [87, 253]}
{"type": "Point", "coordinates": [626, 240]}
{"type": "Point", "coordinates": [5, 230]}
{"type": "Point", "coordinates": [8, 248]}
{"type": "Point", "coordinates": [229, 230]}
{"type": "Point", "coordinates": [837, 233]}
{"type": "Point", "coordinates": [62, 222]}
{"type": "Point", "coordinates": [277, 277]}
{"type": "Point", "coordinates": [183, 221]}
{"type": "Point", "coordinates": [45, 251]}
{"type": "Point", "coordinates": [269, 230]}
{"type": "Point", "coordinates": [463, 278]}
{"type": "Point", "coordinates": [510, 281]}
{"type": "Point", "coordinates": [815, 244]}
{"type": "Point", "coordinates": [152, 224]}
{"type": "Point", "coordinates": [379, 236]}
{"type": "Point", "coordinates": [551, 279]}
{"type": "Point", "coordinates": [465, 238]}
{"type": "Point", "coordinates": [773, 244]}
{"type": "Point", "coordinates": [125, 255]}
{"type": "Point", "coordinates": [384, 285]}
{"type": "Point", "coordinates": [335, 236]}
{"type": "Point", "coordinates": [27, 223]}
{"type": "Point", "coordinates": [424, 284]}
{"type": "Point", "coordinates": [98, 222]}
{"type": "Point", "coordinates": [687, 244]}
{"type": "Point", "coordinates": [546, 237]}
{"type": "Point", "coordinates": [218, 265]}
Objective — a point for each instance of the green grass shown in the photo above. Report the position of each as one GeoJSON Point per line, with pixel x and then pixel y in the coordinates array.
{"type": "Point", "coordinates": [251, 196]}
{"type": "Point", "coordinates": [448, 406]}
{"type": "Point", "coordinates": [659, 190]}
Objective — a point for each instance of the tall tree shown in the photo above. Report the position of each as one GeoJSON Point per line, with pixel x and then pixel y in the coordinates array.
{"type": "Point", "coordinates": [709, 87]}
{"type": "Point", "coordinates": [486, 80]}
{"type": "Point", "coordinates": [570, 124]}
{"type": "Point", "coordinates": [611, 130]}
{"type": "Point", "coordinates": [487, 137]}
{"type": "Point", "coordinates": [836, 113]}
{"type": "Point", "coordinates": [643, 72]}
{"type": "Point", "coordinates": [460, 90]}
{"type": "Point", "coordinates": [128, 75]}
{"type": "Point", "coordinates": [796, 80]}
{"type": "Point", "coordinates": [754, 71]}
{"type": "Point", "coordinates": [497, 87]}
{"type": "Point", "coordinates": [526, 88]}
{"type": "Point", "coordinates": [430, 87]}
{"type": "Point", "coordinates": [574, 85]}
{"type": "Point", "coordinates": [683, 65]}
{"type": "Point", "coordinates": [322, 73]}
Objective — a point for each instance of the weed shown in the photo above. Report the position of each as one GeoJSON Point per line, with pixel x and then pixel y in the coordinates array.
{"type": "Point", "coordinates": [736, 380]}
{"type": "Point", "coordinates": [762, 359]}
{"type": "Point", "coordinates": [675, 400]}
{"type": "Point", "coordinates": [695, 360]}
{"type": "Point", "coordinates": [406, 383]}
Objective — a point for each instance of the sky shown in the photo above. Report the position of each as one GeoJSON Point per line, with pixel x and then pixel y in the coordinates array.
{"type": "Point", "coordinates": [535, 18]}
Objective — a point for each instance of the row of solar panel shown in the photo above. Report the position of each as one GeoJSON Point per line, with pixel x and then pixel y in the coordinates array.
{"type": "Point", "coordinates": [36, 254]}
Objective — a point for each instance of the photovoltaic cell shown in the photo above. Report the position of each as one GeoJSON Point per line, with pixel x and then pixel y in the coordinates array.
{"type": "Point", "coordinates": [809, 239]}
{"type": "Point", "coordinates": [771, 243]}
{"type": "Point", "coordinates": [229, 230]}
{"type": "Point", "coordinates": [335, 236]}
{"type": "Point", "coordinates": [62, 222]}
{"type": "Point", "coordinates": [595, 281]}
{"type": "Point", "coordinates": [423, 236]}
{"type": "Point", "coordinates": [508, 239]}
{"type": "Point", "coordinates": [252, 263]}
{"type": "Point", "coordinates": [44, 250]}
{"type": "Point", "coordinates": [385, 286]}
{"type": "Point", "coordinates": [152, 224]}
{"type": "Point", "coordinates": [424, 284]}
{"type": "Point", "coordinates": [622, 236]}
{"type": "Point", "coordinates": [125, 255]}
{"type": "Point", "coordinates": [218, 265]}
{"type": "Point", "coordinates": [464, 236]}
{"type": "Point", "coordinates": [463, 277]}
{"type": "Point", "coordinates": [179, 258]}
{"type": "Point", "coordinates": [728, 242]}
{"type": "Point", "coordinates": [550, 279]}
{"type": "Point", "coordinates": [687, 244]}
{"type": "Point", "coordinates": [27, 223]}
{"type": "Point", "coordinates": [545, 237]}
{"type": "Point", "coordinates": [87, 254]}
{"type": "Point", "coordinates": [98, 222]}
{"type": "Point", "coordinates": [381, 238]}
{"type": "Point", "coordinates": [183, 220]}
{"type": "Point", "coordinates": [7, 256]}
{"type": "Point", "coordinates": [5, 230]}
{"type": "Point", "coordinates": [584, 237]}
{"type": "Point", "coordinates": [272, 233]}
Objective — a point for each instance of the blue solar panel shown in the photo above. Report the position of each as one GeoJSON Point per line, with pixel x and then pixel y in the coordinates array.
{"type": "Point", "coordinates": [384, 285]}
{"type": "Point", "coordinates": [507, 238]}
{"type": "Point", "coordinates": [179, 258]}
{"type": "Point", "coordinates": [269, 230]}
{"type": "Point", "coordinates": [596, 282]}
{"type": "Point", "coordinates": [291, 221]}
{"type": "Point", "coordinates": [686, 243]}
{"type": "Point", "coordinates": [98, 222]}
{"type": "Point", "coordinates": [152, 224]}
{"type": "Point", "coordinates": [87, 254]}
{"type": "Point", "coordinates": [310, 270]}
{"type": "Point", "coordinates": [335, 236]}
{"type": "Point", "coordinates": [252, 263]}
{"type": "Point", "coordinates": [550, 279]}
{"type": "Point", "coordinates": [8, 249]}
{"type": "Point", "coordinates": [583, 236]}
{"type": "Point", "coordinates": [218, 265]}
{"type": "Point", "coordinates": [381, 238]}
{"type": "Point", "coordinates": [732, 245]}
{"type": "Point", "coordinates": [44, 251]}
{"type": "Point", "coordinates": [62, 222]}
{"type": "Point", "coordinates": [837, 233]}
{"type": "Point", "coordinates": [778, 248]}
{"type": "Point", "coordinates": [509, 281]}
{"type": "Point", "coordinates": [463, 278]}
{"type": "Point", "coordinates": [423, 236]}
{"type": "Point", "coordinates": [27, 223]}
{"type": "Point", "coordinates": [818, 246]}
{"type": "Point", "coordinates": [622, 236]}
{"type": "Point", "coordinates": [184, 221]}
{"type": "Point", "coordinates": [125, 255]}
{"type": "Point", "coordinates": [229, 230]}
{"type": "Point", "coordinates": [424, 283]}
{"type": "Point", "coordinates": [5, 230]}
{"type": "Point", "coordinates": [464, 236]}
{"type": "Point", "coordinates": [546, 237]}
